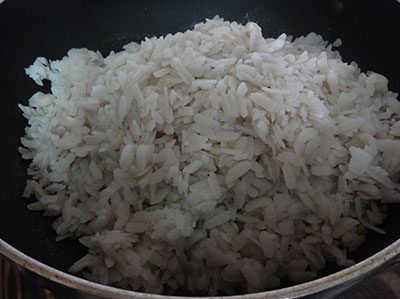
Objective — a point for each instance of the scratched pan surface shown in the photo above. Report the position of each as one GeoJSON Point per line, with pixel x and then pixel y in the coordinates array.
{"type": "Point", "coordinates": [369, 31]}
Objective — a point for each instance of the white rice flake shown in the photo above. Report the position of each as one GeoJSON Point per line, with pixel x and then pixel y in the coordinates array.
{"type": "Point", "coordinates": [237, 171]}
{"type": "Point", "coordinates": [289, 175]}
{"type": "Point", "coordinates": [211, 160]}
{"type": "Point", "coordinates": [359, 162]}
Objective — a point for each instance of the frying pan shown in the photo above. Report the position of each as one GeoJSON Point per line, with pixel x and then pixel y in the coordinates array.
{"type": "Point", "coordinates": [28, 29]}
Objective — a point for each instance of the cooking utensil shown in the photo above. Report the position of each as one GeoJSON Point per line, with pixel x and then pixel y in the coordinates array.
{"type": "Point", "coordinates": [47, 28]}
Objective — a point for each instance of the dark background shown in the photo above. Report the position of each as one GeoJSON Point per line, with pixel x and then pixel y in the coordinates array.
{"type": "Point", "coordinates": [369, 30]}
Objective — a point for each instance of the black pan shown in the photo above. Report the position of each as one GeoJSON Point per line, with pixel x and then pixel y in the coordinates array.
{"type": "Point", "coordinates": [28, 29]}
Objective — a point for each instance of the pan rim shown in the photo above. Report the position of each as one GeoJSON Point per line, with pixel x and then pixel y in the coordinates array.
{"type": "Point", "coordinates": [386, 256]}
